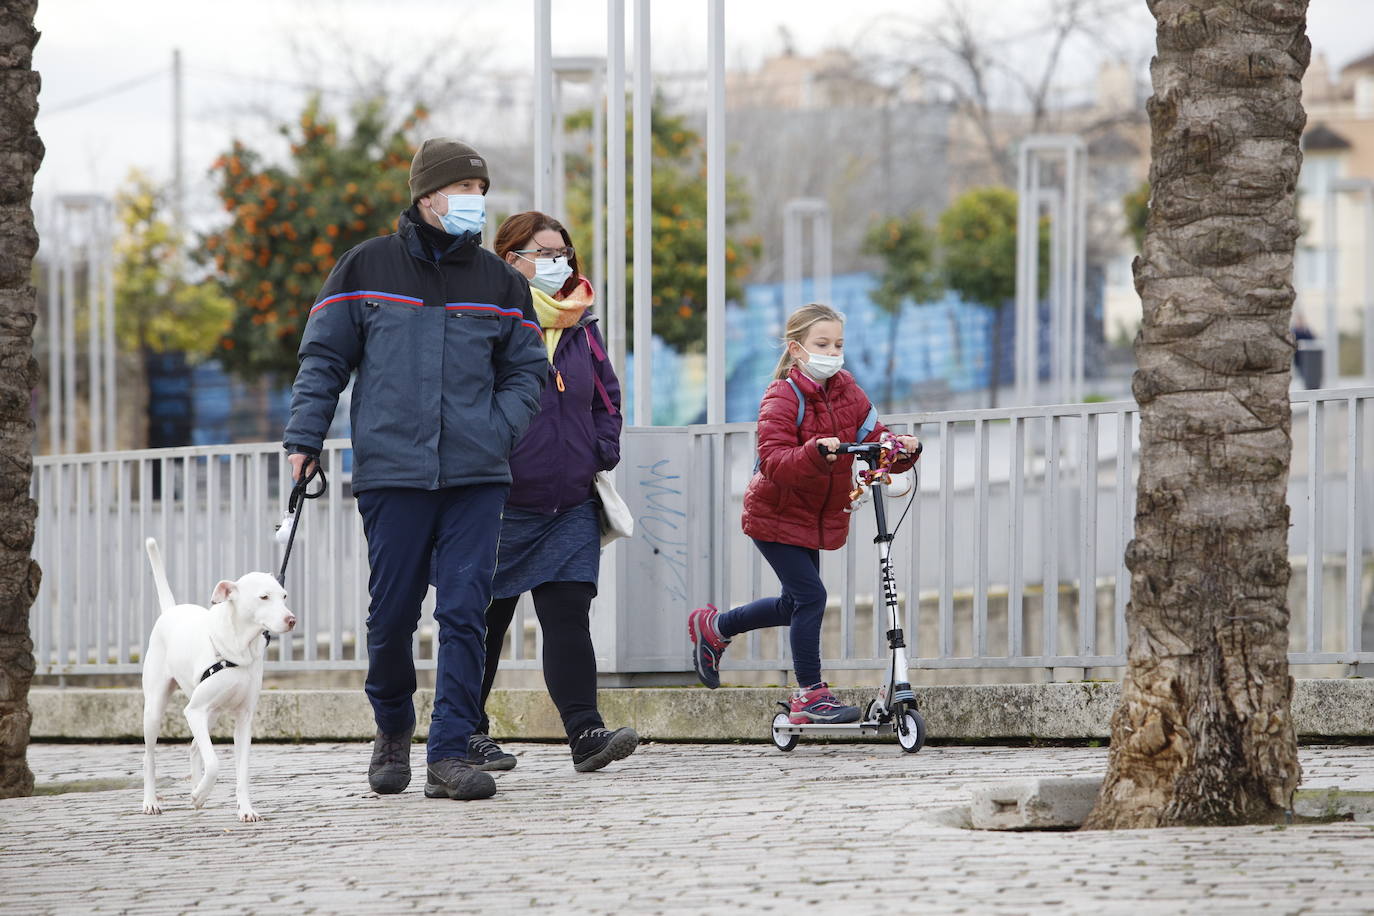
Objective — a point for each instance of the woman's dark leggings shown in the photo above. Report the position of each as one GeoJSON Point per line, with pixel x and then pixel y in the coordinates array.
{"type": "Point", "coordinates": [569, 657]}
{"type": "Point", "coordinates": [800, 606]}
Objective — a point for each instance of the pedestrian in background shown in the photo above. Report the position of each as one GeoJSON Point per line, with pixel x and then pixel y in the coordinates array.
{"type": "Point", "coordinates": [551, 532]}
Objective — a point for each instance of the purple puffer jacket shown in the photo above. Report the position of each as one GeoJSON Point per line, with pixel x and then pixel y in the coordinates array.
{"type": "Point", "coordinates": [577, 430]}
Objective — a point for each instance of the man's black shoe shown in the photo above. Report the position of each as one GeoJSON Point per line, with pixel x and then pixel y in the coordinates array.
{"type": "Point", "coordinates": [486, 754]}
{"type": "Point", "coordinates": [596, 747]}
{"type": "Point", "coordinates": [453, 777]}
{"type": "Point", "coordinates": [389, 772]}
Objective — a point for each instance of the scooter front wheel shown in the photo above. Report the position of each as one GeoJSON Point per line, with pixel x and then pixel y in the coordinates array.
{"type": "Point", "coordinates": [911, 731]}
{"type": "Point", "coordinates": [783, 740]}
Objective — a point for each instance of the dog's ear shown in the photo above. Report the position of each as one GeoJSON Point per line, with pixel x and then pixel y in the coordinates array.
{"type": "Point", "coordinates": [224, 591]}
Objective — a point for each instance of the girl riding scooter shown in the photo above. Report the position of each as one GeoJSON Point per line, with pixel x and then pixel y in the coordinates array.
{"type": "Point", "coordinates": [795, 504]}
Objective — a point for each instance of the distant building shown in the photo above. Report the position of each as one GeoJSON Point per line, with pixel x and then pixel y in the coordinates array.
{"type": "Point", "coordinates": [1338, 145]}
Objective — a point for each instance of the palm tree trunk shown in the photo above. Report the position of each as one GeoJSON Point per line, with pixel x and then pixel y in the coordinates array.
{"type": "Point", "coordinates": [1204, 733]}
{"type": "Point", "coordinates": [20, 152]}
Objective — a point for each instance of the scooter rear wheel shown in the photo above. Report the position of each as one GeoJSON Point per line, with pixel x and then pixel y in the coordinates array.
{"type": "Point", "coordinates": [911, 731]}
{"type": "Point", "coordinates": [782, 740]}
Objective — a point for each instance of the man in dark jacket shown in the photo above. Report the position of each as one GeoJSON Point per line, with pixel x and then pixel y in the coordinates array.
{"type": "Point", "coordinates": [450, 364]}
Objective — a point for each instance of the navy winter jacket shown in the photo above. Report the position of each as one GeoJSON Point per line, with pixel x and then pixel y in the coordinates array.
{"type": "Point", "coordinates": [449, 356]}
{"type": "Point", "coordinates": [577, 430]}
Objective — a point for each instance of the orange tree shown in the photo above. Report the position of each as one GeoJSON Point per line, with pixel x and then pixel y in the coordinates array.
{"type": "Point", "coordinates": [290, 222]}
{"type": "Point", "coordinates": [678, 242]}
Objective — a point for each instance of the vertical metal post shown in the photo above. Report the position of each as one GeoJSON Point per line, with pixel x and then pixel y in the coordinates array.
{"type": "Point", "coordinates": [1330, 345]}
{"type": "Point", "coordinates": [598, 263]}
{"type": "Point", "coordinates": [821, 237]}
{"type": "Point", "coordinates": [615, 181]}
{"type": "Point", "coordinates": [178, 180]}
{"type": "Point", "coordinates": [543, 104]}
{"type": "Point", "coordinates": [53, 241]}
{"type": "Point", "coordinates": [1078, 216]}
{"type": "Point", "coordinates": [791, 258]}
{"type": "Point", "coordinates": [558, 201]}
{"type": "Point", "coordinates": [643, 217]}
{"type": "Point", "coordinates": [94, 295]}
{"type": "Point", "coordinates": [1367, 365]}
{"type": "Point", "coordinates": [715, 213]}
{"type": "Point", "coordinates": [108, 277]}
{"type": "Point", "coordinates": [69, 335]}
{"type": "Point", "coordinates": [1025, 283]}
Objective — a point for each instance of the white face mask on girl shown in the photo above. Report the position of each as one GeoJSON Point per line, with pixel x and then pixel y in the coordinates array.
{"type": "Point", "coordinates": [820, 366]}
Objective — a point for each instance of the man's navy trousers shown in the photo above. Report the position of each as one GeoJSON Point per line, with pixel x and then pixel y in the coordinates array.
{"type": "Point", "coordinates": [458, 528]}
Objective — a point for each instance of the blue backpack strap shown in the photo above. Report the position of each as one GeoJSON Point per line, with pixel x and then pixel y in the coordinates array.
{"type": "Point", "coordinates": [869, 424]}
{"type": "Point", "coordinates": [801, 402]}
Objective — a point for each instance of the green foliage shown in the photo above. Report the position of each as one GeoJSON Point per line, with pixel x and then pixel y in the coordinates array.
{"type": "Point", "coordinates": [907, 247]}
{"type": "Point", "coordinates": [978, 246]}
{"type": "Point", "coordinates": [153, 310]}
{"type": "Point", "coordinates": [290, 222]}
{"type": "Point", "coordinates": [679, 227]}
{"type": "Point", "coordinates": [1137, 207]}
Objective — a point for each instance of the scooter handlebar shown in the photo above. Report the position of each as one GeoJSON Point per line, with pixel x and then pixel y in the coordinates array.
{"type": "Point", "coordinates": [858, 448]}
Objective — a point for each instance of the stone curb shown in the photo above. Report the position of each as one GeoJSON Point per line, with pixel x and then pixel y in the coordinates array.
{"type": "Point", "coordinates": [1066, 711]}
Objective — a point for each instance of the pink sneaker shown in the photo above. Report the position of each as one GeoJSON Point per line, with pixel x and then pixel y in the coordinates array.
{"type": "Point", "coordinates": [817, 704]}
{"type": "Point", "coordinates": [710, 645]}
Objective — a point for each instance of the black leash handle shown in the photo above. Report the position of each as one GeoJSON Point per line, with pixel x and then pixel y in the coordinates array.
{"type": "Point", "coordinates": [300, 491]}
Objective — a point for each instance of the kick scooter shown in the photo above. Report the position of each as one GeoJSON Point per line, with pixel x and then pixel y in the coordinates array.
{"type": "Point", "coordinates": [894, 708]}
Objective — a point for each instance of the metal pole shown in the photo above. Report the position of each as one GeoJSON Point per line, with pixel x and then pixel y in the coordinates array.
{"type": "Point", "coordinates": [543, 104]}
{"type": "Point", "coordinates": [615, 181]}
{"type": "Point", "coordinates": [791, 257]}
{"type": "Point", "coordinates": [178, 180]}
{"type": "Point", "coordinates": [598, 264]}
{"type": "Point", "coordinates": [94, 297]}
{"type": "Point", "coordinates": [1078, 215]}
{"type": "Point", "coordinates": [715, 213]}
{"type": "Point", "coordinates": [559, 202]}
{"type": "Point", "coordinates": [1330, 346]}
{"type": "Point", "coordinates": [1025, 284]}
{"type": "Point", "coordinates": [821, 237]}
{"type": "Point", "coordinates": [1367, 366]}
{"type": "Point", "coordinates": [108, 275]}
{"type": "Point", "coordinates": [68, 334]}
{"type": "Point", "coordinates": [52, 239]}
{"type": "Point", "coordinates": [643, 218]}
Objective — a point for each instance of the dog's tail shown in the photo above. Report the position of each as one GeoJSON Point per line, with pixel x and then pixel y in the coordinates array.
{"type": "Point", "coordinates": [164, 591]}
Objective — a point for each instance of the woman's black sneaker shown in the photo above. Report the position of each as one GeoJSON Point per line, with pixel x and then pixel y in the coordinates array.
{"type": "Point", "coordinates": [596, 747]}
{"type": "Point", "coordinates": [486, 754]}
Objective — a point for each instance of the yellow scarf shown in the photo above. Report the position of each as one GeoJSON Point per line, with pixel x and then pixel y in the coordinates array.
{"type": "Point", "coordinates": [557, 314]}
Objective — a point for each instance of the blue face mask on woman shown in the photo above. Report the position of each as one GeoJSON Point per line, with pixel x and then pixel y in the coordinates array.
{"type": "Point", "coordinates": [466, 213]}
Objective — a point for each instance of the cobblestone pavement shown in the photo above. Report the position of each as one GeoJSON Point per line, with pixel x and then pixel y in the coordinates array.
{"type": "Point", "coordinates": [675, 828]}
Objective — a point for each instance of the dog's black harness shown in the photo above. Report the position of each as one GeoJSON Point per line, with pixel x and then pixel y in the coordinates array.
{"type": "Point", "coordinates": [298, 493]}
{"type": "Point", "coordinates": [225, 663]}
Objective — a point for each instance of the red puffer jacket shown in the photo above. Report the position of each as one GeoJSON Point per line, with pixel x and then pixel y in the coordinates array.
{"type": "Point", "coordinates": [797, 497]}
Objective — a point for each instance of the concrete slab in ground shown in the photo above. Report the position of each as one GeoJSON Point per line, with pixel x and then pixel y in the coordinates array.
{"type": "Point", "coordinates": [676, 828]}
{"type": "Point", "coordinates": [1034, 804]}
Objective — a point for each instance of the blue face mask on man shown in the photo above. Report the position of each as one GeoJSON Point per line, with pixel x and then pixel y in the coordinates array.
{"type": "Point", "coordinates": [466, 213]}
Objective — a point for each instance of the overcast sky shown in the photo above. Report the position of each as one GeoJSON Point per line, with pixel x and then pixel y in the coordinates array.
{"type": "Point", "coordinates": [250, 57]}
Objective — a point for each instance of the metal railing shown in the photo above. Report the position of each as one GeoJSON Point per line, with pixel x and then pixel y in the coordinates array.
{"type": "Point", "coordinates": [1010, 555]}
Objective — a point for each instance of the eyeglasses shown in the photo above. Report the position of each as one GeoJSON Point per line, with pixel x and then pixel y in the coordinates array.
{"type": "Point", "coordinates": [548, 252]}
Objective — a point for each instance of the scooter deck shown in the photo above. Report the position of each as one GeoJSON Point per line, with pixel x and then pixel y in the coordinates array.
{"type": "Point", "coordinates": [850, 729]}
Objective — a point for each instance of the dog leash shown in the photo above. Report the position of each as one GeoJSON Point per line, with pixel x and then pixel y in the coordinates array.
{"type": "Point", "coordinates": [299, 492]}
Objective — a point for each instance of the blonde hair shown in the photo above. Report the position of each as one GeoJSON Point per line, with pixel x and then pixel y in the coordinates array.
{"type": "Point", "coordinates": [799, 324]}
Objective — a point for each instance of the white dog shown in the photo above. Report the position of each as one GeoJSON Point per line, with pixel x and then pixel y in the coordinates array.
{"type": "Point", "coordinates": [215, 655]}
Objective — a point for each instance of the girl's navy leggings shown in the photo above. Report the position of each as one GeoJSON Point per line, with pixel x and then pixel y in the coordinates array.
{"type": "Point", "coordinates": [800, 606]}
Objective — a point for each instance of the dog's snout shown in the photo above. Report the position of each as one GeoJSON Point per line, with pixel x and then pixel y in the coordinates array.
{"type": "Point", "coordinates": [291, 621]}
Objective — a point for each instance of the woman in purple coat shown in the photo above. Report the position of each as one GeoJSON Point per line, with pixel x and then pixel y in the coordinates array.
{"type": "Point", "coordinates": [551, 533]}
